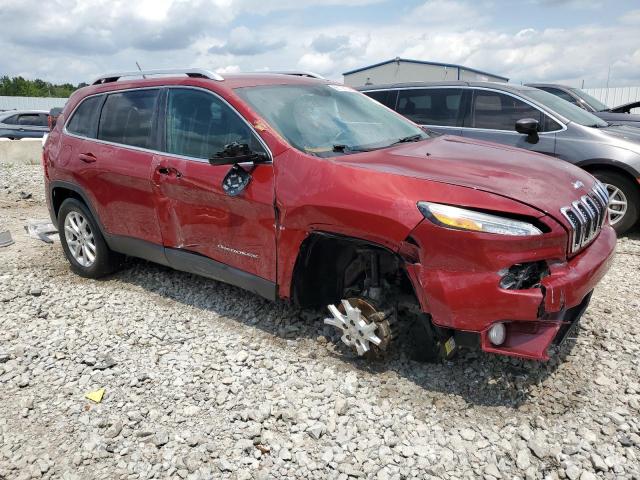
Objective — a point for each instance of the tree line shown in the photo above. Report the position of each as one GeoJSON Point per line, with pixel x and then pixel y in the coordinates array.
{"type": "Point", "coordinates": [21, 87]}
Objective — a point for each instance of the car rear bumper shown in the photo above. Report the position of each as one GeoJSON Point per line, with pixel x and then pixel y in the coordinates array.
{"type": "Point", "coordinates": [471, 300]}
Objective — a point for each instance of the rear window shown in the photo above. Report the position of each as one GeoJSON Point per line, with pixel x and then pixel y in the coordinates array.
{"type": "Point", "coordinates": [127, 117]}
{"type": "Point", "coordinates": [385, 97]}
{"type": "Point", "coordinates": [12, 120]}
{"type": "Point", "coordinates": [84, 119]}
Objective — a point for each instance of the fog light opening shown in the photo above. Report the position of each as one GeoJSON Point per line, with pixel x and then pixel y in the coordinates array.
{"type": "Point", "coordinates": [497, 334]}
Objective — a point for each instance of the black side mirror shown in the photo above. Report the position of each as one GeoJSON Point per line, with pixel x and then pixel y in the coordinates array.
{"type": "Point", "coordinates": [237, 153]}
{"type": "Point", "coordinates": [529, 127]}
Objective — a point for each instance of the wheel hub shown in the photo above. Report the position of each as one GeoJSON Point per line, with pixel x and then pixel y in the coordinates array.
{"type": "Point", "coordinates": [363, 327]}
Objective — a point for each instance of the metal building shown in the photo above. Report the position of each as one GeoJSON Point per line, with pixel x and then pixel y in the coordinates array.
{"type": "Point", "coordinates": [30, 103]}
{"type": "Point", "coordinates": [399, 70]}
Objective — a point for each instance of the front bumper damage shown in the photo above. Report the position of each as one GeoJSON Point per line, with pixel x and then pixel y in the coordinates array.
{"type": "Point", "coordinates": [460, 286]}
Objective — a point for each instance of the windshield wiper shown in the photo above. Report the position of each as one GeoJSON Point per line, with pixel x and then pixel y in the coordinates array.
{"type": "Point", "coordinates": [410, 138]}
{"type": "Point", "coordinates": [348, 148]}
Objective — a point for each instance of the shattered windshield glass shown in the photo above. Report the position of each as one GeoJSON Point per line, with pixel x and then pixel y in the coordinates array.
{"type": "Point", "coordinates": [329, 120]}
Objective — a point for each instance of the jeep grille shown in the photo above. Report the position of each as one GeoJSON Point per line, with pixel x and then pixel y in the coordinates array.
{"type": "Point", "coordinates": [586, 217]}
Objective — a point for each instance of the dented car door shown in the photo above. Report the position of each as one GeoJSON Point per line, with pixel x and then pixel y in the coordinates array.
{"type": "Point", "coordinates": [195, 213]}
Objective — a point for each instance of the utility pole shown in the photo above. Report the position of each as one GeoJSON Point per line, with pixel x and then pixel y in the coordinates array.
{"type": "Point", "coordinates": [606, 98]}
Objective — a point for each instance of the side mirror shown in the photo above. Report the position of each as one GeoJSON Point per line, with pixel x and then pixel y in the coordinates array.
{"type": "Point", "coordinates": [234, 153]}
{"type": "Point", "coordinates": [529, 127]}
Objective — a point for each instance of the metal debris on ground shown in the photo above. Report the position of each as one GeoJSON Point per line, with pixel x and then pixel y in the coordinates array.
{"type": "Point", "coordinates": [40, 229]}
{"type": "Point", "coordinates": [6, 239]}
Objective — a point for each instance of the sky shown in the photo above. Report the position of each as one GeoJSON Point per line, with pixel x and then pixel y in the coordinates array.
{"type": "Point", "coordinates": [577, 42]}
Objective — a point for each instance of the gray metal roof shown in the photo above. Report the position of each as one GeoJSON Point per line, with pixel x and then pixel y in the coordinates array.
{"type": "Point", "coordinates": [424, 62]}
{"type": "Point", "coordinates": [30, 103]}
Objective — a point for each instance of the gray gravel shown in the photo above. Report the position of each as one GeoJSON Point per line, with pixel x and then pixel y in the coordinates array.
{"type": "Point", "coordinates": [204, 380]}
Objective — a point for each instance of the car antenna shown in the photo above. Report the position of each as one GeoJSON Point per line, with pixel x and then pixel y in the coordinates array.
{"type": "Point", "coordinates": [138, 65]}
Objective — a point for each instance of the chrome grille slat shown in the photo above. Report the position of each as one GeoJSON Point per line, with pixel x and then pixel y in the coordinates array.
{"type": "Point", "coordinates": [586, 217]}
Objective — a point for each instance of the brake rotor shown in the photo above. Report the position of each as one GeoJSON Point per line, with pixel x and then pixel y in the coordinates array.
{"type": "Point", "coordinates": [363, 326]}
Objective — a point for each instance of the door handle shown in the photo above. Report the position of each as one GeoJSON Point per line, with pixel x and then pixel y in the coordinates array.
{"type": "Point", "coordinates": [87, 157]}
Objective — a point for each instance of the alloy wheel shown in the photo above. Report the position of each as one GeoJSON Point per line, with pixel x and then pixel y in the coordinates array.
{"type": "Point", "coordinates": [617, 207]}
{"type": "Point", "coordinates": [80, 239]}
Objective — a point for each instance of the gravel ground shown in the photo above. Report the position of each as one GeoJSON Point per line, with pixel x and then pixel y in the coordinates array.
{"type": "Point", "coordinates": [204, 380]}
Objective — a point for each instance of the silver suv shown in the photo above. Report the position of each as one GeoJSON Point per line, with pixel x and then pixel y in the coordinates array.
{"type": "Point", "coordinates": [23, 124]}
{"type": "Point", "coordinates": [528, 118]}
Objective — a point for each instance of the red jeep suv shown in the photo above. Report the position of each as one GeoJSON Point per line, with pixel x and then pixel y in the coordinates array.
{"type": "Point", "coordinates": [303, 189]}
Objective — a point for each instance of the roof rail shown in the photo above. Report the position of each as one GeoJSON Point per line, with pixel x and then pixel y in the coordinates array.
{"type": "Point", "coordinates": [190, 72]}
{"type": "Point", "coordinates": [297, 73]}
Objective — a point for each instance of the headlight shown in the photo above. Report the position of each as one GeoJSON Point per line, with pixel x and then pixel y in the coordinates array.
{"type": "Point", "coordinates": [463, 219]}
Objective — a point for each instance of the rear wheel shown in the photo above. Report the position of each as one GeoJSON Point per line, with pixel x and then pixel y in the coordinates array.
{"type": "Point", "coordinates": [83, 243]}
{"type": "Point", "coordinates": [624, 200]}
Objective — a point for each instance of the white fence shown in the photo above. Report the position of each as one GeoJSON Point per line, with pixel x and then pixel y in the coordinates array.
{"type": "Point", "coordinates": [30, 103]}
{"type": "Point", "coordinates": [614, 96]}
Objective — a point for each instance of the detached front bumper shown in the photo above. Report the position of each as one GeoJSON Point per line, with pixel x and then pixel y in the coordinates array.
{"type": "Point", "coordinates": [464, 294]}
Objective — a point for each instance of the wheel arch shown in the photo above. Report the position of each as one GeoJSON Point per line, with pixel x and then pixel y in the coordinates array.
{"type": "Point", "coordinates": [602, 164]}
{"type": "Point", "coordinates": [316, 281]}
{"type": "Point", "coordinates": [59, 191]}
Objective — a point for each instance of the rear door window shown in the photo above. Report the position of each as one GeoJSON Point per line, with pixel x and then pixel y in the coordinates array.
{"type": "Point", "coordinates": [431, 106]}
{"type": "Point", "coordinates": [127, 118]}
{"type": "Point", "coordinates": [385, 97]}
{"type": "Point", "coordinates": [199, 124]}
{"type": "Point", "coordinates": [85, 118]}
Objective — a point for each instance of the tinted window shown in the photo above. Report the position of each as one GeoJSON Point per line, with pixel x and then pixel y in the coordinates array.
{"type": "Point", "coordinates": [433, 106]}
{"type": "Point", "coordinates": [12, 120]}
{"type": "Point", "coordinates": [385, 97]}
{"type": "Point", "coordinates": [32, 119]}
{"type": "Point", "coordinates": [498, 111]}
{"type": "Point", "coordinates": [83, 121]}
{"type": "Point", "coordinates": [199, 124]}
{"type": "Point", "coordinates": [127, 118]}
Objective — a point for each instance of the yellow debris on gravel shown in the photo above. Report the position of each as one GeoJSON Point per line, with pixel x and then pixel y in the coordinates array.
{"type": "Point", "coordinates": [96, 395]}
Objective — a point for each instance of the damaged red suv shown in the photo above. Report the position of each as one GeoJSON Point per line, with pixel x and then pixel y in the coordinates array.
{"type": "Point", "coordinates": [298, 188]}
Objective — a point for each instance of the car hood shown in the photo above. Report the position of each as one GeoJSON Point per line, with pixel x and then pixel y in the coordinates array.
{"type": "Point", "coordinates": [537, 180]}
{"type": "Point", "coordinates": [628, 118]}
{"type": "Point", "coordinates": [627, 136]}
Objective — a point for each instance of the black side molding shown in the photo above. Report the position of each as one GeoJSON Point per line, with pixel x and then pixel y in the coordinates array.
{"type": "Point", "coordinates": [134, 247]}
{"type": "Point", "coordinates": [206, 267]}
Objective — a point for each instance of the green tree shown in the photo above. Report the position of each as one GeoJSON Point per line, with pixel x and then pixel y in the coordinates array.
{"type": "Point", "coordinates": [21, 87]}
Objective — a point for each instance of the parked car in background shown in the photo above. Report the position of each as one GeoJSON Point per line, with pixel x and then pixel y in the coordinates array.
{"type": "Point", "coordinates": [304, 189]}
{"type": "Point", "coordinates": [530, 118]}
{"type": "Point", "coordinates": [591, 104]}
{"type": "Point", "coordinates": [631, 107]}
{"type": "Point", "coordinates": [23, 124]}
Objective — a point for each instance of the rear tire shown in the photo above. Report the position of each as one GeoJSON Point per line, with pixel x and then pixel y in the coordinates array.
{"type": "Point", "coordinates": [630, 193]}
{"type": "Point", "coordinates": [83, 243]}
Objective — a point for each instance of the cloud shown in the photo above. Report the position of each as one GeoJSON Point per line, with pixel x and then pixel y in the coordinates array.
{"type": "Point", "coordinates": [243, 41]}
{"type": "Point", "coordinates": [326, 43]}
{"type": "Point", "coordinates": [75, 40]}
